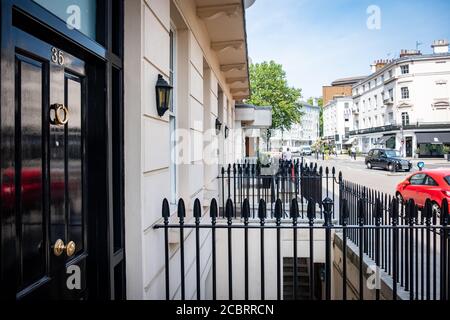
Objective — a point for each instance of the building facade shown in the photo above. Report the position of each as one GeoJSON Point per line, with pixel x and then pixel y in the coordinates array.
{"type": "Point", "coordinates": [305, 133]}
{"type": "Point", "coordinates": [404, 104]}
{"type": "Point", "coordinates": [83, 123]}
{"type": "Point", "coordinates": [339, 88]}
{"type": "Point", "coordinates": [338, 122]}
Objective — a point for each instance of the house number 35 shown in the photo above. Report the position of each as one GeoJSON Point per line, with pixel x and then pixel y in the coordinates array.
{"type": "Point", "coordinates": [57, 56]}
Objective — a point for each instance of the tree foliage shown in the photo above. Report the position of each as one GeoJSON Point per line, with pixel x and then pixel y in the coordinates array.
{"type": "Point", "coordinates": [270, 88]}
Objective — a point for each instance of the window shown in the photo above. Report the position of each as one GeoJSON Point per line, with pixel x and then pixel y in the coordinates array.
{"type": "Point", "coordinates": [405, 118]}
{"type": "Point", "coordinates": [364, 88]}
{"type": "Point", "coordinates": [405, 69]}
{"type": "Point", "coordinates": [429, 181]}
{"type": "Point", "coordinates": [390, 74]}
{"type": "Point", "coordinates": [370, 104]}
{"type": "Point", "coordinates": [376, 101]}
{"type": "Point", "coordinates": [447, 179]}
{"type": "Point", "coordinates": [391, 117]}
{"type": "Point", "coordinates": [418, 179]}
{"type": "Point", "coordinates": [382, 78]}
{"type": "Point", "coordinates": [391, 94]}
{"type": "Point", "coordinates": [63, 10]}
{"type": "Point", "coordinates": [376, 121]}
{"type": "Point", "coordinates": [370, 84]}
{"type": "Point", "coordinates": [405, 92]}
{"type": "Point", "coordinates": [172, 120]}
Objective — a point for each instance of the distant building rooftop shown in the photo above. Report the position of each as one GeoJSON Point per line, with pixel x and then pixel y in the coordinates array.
{"type": "Point", "coordinates": [347, 81]}
{"type": "Point", "coordinates": [305, 104]}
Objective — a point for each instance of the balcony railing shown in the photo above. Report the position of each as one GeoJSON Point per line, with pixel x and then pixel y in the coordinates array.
{"type": "Point", "coordinates": [388, 101]}
{"type": "Point", "coordinates": [397, 127]}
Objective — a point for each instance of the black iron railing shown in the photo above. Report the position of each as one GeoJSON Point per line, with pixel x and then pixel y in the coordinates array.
{"type": "Point", "coordinates": [407, 243]}
{"type": "Point", "coordinates": [288, 180]}
{"type": "Point", "coordinates": [412, 248]}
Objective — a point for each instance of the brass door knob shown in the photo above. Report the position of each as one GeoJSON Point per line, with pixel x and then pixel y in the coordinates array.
{"type": "Point", "coordinates": [59, 247]}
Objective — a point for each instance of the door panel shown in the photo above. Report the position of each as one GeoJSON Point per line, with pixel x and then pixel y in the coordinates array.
{"type": "Point", "coordinates": [28, 183]}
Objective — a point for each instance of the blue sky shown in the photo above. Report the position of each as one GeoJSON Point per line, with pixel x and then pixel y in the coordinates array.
{"type": "Point", "coordinates": [318, 41]}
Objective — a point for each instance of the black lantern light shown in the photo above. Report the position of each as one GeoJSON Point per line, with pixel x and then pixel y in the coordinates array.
{"type": "Point", "coordinates": [227, 131]}
{"type": "Point", "coordinates": [163, 95]}
{"type": "Point", "coordinates": [218, 126]}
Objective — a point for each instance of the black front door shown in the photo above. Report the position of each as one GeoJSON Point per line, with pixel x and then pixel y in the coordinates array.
{"type": "Point", "coordinates": [409, 144]}
{"type": "Point", "coordinates": [44, 220]}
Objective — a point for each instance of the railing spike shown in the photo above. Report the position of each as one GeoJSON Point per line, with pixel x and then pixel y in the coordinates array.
{"type": "Point", "coordinates": [165, 209]}
{"type": "Point", "coordinates": [246, 209]}
{"type": "Point", "coordinates": [229, 210]}
{"type": "Point", "coordinates": [213, 211]}
{"type": "Point", "coordinates": [294, 212]}
{"type": "Point", "coordinates": [444, 212]}
{"type": "Point", "coordinates": [262, 211]}
{"type": "Point", "coordinates": [197, 209]}
{"type": "Point", "coordinates": [278, 209]}
{"type": "Point", "coordinates": [181, 209]}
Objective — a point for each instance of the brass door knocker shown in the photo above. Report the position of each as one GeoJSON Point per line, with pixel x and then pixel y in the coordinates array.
{"type": "Point", "coordinates": [61, 114]}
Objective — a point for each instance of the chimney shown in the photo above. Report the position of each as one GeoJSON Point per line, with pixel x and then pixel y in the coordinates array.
{"type": "Point", "coordinates": [440, 46]}
{"type": "Point", "coordinates": [373, 68]}
{"type": "Point", "coordinates": [380, 64]}
{"type": "Point", "coordinates": [409, 53]}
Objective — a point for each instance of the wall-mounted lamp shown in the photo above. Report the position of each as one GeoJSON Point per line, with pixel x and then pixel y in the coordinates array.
{"type": "Point", "coordinates": [218, 126]}
{"type": "Point", "coordinates": [163, 95]}
{"type": "Point", "coordinates": [227, 132]}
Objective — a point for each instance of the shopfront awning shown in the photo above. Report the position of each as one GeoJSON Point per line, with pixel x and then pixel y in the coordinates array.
{"type": "Point", "coordinates": [350, 141]}
{"type": "Point", "coordinates": [433, 137]}
{"type": "Point", "coordinates": [383, 139]}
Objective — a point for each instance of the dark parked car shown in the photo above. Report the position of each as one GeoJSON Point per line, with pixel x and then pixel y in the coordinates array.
{"type": "Point", "coordinates": [387, 159]}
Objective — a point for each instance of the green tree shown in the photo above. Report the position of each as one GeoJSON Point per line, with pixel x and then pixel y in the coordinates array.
{"type": "Point", "coordinates": [270, 88]}
{"type": "Point", "coordinates": [320, 104]}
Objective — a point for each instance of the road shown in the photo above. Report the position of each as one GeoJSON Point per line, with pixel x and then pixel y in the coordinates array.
{"type": "Point", "coordinates": [377, 179]}
{"type": "Point", "coordinates": [386, 182]}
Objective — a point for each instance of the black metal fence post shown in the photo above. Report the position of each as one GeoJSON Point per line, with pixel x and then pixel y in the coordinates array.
{"type": "Point", "coordinates": [229, 213]}
{"type": "Point", "coordinates": [246, 216]}
{"type": "Point", "coordinates": [213, 213]}
{"type": "Point", "coordinates": [197, 216]}
{"type": "Point", "coordinates": [327, 204]}
{"type": "Point", "coordinates": [378, 217]}
{"type": "Point", "coordinates": [311, 214]}
{"type": "Point", "coordinates": [294, 217]}
{"type": "Point", "coordinates": [361, 221]}
{"type": "Point", "coordinates": [262, 217]}
{"type": "Point", "coordinates": [278, 216]}
{"type": "Point", "coordinates": [344, 216]}
{"type": "Point", "coordinates": [428, 212]}
{"type": "Point", "coordinates": [166, 216]}
{"type": "Point", "coordinates": [394, 217]}
{"type": "Point", "coordinates": [181, 216]}
{"type": "Point", "coordinates": [444, 250]}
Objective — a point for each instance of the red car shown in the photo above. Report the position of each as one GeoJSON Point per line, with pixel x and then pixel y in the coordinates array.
{"type": "Point", "coordinates": [427, 184]}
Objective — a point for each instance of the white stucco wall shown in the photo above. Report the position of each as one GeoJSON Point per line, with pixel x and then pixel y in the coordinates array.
{"type": "Point", "coordinates": [147, 137]}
